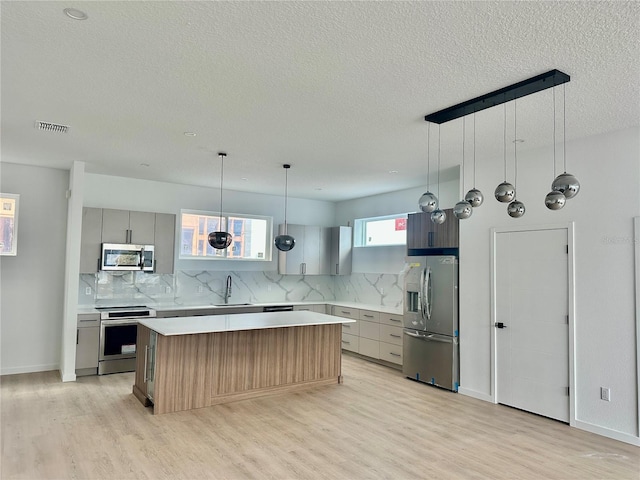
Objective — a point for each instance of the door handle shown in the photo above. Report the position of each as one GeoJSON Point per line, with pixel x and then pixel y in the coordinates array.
{"type": "Point", "coordinates": [499, 325]}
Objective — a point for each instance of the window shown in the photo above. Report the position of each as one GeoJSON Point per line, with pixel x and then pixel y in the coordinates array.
{"type": "Point", "coordinates": [9, 223]}
{"type": "Point", "coordinates": [252, 236]}
{"type": "Point", "coordinates": [376, 231]}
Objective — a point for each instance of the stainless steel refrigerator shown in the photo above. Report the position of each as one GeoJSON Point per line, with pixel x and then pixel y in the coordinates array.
{"type": "Point", "coordinates": [430, 343]}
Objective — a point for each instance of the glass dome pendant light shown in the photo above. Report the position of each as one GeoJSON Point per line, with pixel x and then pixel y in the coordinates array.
{"type": "Point", "coordinates": [428, 201]}
{"type": "Point", "coordinates": [438, 216]}
{"type": "Point", "coordinates": [505, 192]}
{"type": "Point", "coordinates": [554, 200]}
{"type": "Point", "coordinates": [285, 242]}
{"type": "Point", "coordinates": [565, 183]}
{"type": "Point", "coordinates": [463, 209]}
{"type": "Point", "coordinates": [516, 208]}
{"type": "Point", "coordinates": [474, 196]}
{"type": "Point", "coordinates": [219, 239]}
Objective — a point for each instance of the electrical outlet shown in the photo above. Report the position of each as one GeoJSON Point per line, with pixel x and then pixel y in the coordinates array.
{"type": "Point", "coordinates": [199, 289]}
{"type": "Point", "coordinates": [605, 394]}
{"type": "Point", "coordinates": [167, 289]}
{"type": "Point", "coordinates": [381, 291]}
{"type": "Point", "coordinates": [268, 288]}
{"type": "Point", "coordinates": [87, 291]}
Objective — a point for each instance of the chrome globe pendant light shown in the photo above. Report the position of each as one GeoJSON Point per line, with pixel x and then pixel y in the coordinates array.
{"type": "Point", "coordinates": [428, 201]}
{"type": "Point", "coordinates": [516, 208]}
{"type": "Point", "coordinates": [285, 242]}
{"type": "Point", "coordinates": [565, 183]}
{"type": "Point", "coordinates": [438, 216]}
{"type": "Point", "coordinates": [554, 200]}
{"type": "Point", "coordinates": [463, 209]}
{"type": "Point", "coordinates": [219, 239]}
{"type": "Point", "coordinates": [474, 196]}
{"type": "Point", "coordinates": [505, 192]}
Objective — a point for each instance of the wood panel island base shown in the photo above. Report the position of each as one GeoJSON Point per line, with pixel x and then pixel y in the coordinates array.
{"type": "Point", "coordinates": [195, 362]}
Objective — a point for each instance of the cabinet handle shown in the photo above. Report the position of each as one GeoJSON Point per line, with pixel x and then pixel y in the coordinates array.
{"type": "Point", "coordinates": [337, 269]}
{"type": "Point", "coordinates": [344, 341]}
{"type": "Point", "coordinates": [77, 336]}
{"type": "Point", "coordinates": [395, 354]}
{"type": "Point", "coordinates": [368, 316]}
{"type": "Point", "coordinates": [430, 239]}
{"type": "Point", "coordinates": [395, 320]}
{"type": "Point", "coordinates": [146, 354]}
{"type": "Point", "coordinates": [394, 335]}
{"type": "Point", "coordinates": [346, 325]}
{"type": "Point", "coordinates": [346, 313]}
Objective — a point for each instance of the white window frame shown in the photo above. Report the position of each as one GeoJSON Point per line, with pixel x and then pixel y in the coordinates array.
{"type": "Point", "coordinates": [359, 230]}
{"type": "Point", "coordinates": [225, 221]}
{"type": "Point", "coordinates": [14, 234]}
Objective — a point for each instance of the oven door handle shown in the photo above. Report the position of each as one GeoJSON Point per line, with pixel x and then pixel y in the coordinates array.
{"type": "Point", "coordinates": [119, 321]}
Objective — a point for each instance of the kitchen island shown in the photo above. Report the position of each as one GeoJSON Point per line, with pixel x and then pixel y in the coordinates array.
{"type": "Point", "coordinates": [193, 362]}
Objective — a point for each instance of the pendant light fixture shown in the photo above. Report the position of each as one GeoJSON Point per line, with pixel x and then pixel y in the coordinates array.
{"type": "Point", "coordinates": [285, 242]}
{"type": "Point", "coordinates": [505, 192]}
{"type": "Point", "coordinates": [516, 208]}
{"type": "Point", "coordinates": [463, 209]}
{"type": "Point", "coordinates": [219, 239]}
{"type": "Point", "coordinates": [554, 200]}
{"type": "Point", "coordinates": [474, 196]}
{"type": "Point", "coordinates": [438, 216]}
{"type": "Point", "coordinates": [428, 201]}
{"type": "Point", "coordinates": [565, 183]}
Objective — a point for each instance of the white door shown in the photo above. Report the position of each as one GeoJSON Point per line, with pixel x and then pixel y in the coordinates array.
{"type": "Point", "coordinates": [532, 348]}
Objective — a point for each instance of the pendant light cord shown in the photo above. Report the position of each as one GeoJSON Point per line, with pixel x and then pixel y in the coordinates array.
{"type": "Point", "coordinates": [428, 155]}
{"type": "Point", "coordinates": [464, 131]}
{"type": "Point", "coordinates": [554, 132]}
{"type": "Point", "coordinates": [505, 139]}
{"type": "Point", "coordinates": [515, 143]}
{"type": "Point", "coordinates": [221, 177]}
{"type": "Point", "coordinates": [474, 150]}
{"type": "Point", "coordinates": [564, 126]}
{"type": "Point", "coordinates": [438, 161]}
{"type": "Point", "coordinates": [286, 189]}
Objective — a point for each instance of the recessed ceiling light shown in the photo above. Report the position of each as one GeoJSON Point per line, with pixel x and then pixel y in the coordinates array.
{"type": "Point", "coordinates": [244, 179]}
{"type": "Point", "coordinates": [190, 134]}
{"type": "Point", "coordinates": [75, 14]}
{"type": "Point", "coordinates": [144, 164]}
{"type": "Point", "coordinates": [317, 189]}
{"type": "Point", "coordinates": [393, 171]}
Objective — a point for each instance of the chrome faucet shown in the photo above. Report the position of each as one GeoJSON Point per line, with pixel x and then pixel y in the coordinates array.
{"type": "Point", "coordinates": [227, 291]}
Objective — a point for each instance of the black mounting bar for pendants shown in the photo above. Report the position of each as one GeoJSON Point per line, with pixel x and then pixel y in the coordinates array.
{"type": "Point", "coordinates": [517, 90]}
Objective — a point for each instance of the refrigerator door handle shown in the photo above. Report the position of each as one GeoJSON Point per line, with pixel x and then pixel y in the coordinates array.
{"type": "Point", "coordinates": [426, 293]}
{"type": "Point", "coordinates": [414, 335]}
{"type": "Point", "coordinates": [430, 337]}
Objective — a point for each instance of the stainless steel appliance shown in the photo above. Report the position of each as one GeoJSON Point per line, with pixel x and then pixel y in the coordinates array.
{"type": "Point", "coordinates": [127, 257]}
{"type": "Point", "coordinates": [118, 336]}
{"type": "Point", "coordinates": [430, 343]}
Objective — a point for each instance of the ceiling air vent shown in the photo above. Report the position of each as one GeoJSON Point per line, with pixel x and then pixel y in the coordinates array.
{"type": "Point", "coordinates": [52, 127]}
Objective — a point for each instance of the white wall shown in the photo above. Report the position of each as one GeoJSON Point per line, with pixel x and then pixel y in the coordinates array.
{"type": "Point", "coordinates": [608, 168]}
{"type": "Point", "coordinates": [32, 283]}
{"type": "Point", "coordinates": [102, 191]}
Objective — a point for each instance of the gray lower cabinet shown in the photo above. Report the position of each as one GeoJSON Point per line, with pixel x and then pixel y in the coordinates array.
{"type": "Point", "coordinates": [87, 344]}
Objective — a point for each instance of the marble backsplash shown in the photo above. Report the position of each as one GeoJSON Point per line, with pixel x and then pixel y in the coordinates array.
{"type": "Point", "coordinates": [208, 288]}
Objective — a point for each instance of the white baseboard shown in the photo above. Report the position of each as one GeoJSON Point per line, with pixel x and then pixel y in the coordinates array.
{"type": "Point", "coordinates": [607, 432]}
{"type": "Point", "coordinates": [474, 394]}
{"type": "Point", "coordinates": [67, 376]}
{"type": "Point", "coordinates": [29, 369]}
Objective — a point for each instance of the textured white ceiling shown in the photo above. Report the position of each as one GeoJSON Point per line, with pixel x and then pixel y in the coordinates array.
{"type": "Point", "coordinates": [337, 89]}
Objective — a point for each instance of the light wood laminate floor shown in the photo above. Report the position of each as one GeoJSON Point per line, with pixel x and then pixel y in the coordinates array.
{"type": "Point", "coordinates": [375, 425]}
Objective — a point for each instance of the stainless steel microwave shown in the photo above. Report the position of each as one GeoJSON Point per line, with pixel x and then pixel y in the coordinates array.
{"type": "Point", "coordinates": [127, 257]}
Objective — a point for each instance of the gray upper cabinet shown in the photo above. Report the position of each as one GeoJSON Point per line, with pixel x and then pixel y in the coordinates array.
{"type": "Point", "coordinates": [164, 241]}
{"type": "Point", "coordinates": [91, 239]}
{"type": "Point", "coordinates": [123, 226]}
{"type": "Point", "coordinates": [341, 242]}
{"type": "Point", "coordinates": [310, 256]}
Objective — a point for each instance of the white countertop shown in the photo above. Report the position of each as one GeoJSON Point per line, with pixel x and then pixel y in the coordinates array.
{"type": "Point", "coordinates": [241, 321]}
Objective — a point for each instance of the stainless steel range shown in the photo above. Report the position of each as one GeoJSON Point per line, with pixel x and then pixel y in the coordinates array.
{"type": "Point", "coordinates": [118, 334]}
